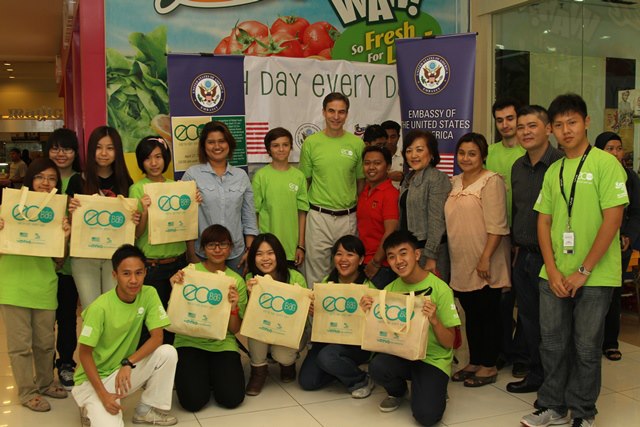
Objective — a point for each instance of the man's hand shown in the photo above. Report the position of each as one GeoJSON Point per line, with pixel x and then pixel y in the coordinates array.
{"type": "Point", "coordinates": [366, 302]}
{"type": "Point", "coordinates": [429, 310]}
{"type": "Point", "coordinates": [110, 402]}
{"type": "Point", "coordinates": [557, 283]}
{"type": "Point", "coordinates": [123, 381]}
{"type": "Point", "coordinates": [574, 282]}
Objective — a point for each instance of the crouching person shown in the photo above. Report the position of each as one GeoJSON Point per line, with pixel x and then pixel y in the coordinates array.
{"type": "Point", "coordinates": [110, 366]}
{"type": "Point", "coordinates": [429, 377]}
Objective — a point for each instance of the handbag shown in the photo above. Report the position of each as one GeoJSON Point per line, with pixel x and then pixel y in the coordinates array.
{"type": "Point", "coordinates": [173, 214]}
{"type": "Point", "coordinates": [337, 317]}
{"type": "Point", "coordinates": [33, 223]}
{"type": "Point", "coordinates": [395, 325]}
{"type": "Point", "coordinates": [276, 312]}
{"type": "Point", "coordinates": [200, 306]}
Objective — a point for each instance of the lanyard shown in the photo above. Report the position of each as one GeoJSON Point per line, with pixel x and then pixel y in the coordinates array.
{"type": "Point", "coordinates": [573, 185]}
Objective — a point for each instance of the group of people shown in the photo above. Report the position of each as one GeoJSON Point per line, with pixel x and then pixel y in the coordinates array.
{"type": "Point", "coordinates": [522, 221]}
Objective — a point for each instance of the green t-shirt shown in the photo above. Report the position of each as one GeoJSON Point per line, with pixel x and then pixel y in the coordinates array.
{"type": "Point", "coordinates": [500, 160]}
{"type": "Point", "coordinates": [66, 267]}
{"type": "Point", "coordinates": [442, 297]}
{"type": "Point", "coordinates": [368, 283]}
{"type": "Point", "coordinates": [295, 278]}
{"type": "Point", "coordinates": [28, 281]}
{"type": "Point", "coordinates": [112, 327]}
{"type": "Point", "coordinates": [164, 250]}
{"type": "Point", "coordinates": [334, 165]}
{"type": "Point", "coordinates": [229, 343]}
{"type": "Point", "coordinates": [601, 185]}
{"type": "Point", "coordinates": [278, 196]}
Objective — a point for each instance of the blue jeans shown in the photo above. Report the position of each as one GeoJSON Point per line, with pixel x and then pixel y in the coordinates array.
{"type": "Point", "coordinates": [326, 362]}
{"type": "Point", "coordinates": [572, 331]}
{"type": "Point", "coordinates": [526, 282]}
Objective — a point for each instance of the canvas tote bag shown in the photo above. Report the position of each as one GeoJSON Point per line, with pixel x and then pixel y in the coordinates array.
{"type": "Point", "coordinates": [395, 325]}
{"type": "Point", "coordinates": [337, 316]}
{"type": "Point", "coordinates": [200, 306]}
{"type": "Point", "coordinates": [276, 312]}
{"type": "Point", "coordinates": [101, 225]}
{"type": "Point", "coordinates": [32, 223]}
{"type": "Point", "coordinates": [173, 214]}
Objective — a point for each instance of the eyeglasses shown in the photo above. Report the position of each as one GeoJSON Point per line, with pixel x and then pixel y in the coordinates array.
{"type": "Point", "coordinates": [56, 150]}
{"type": "Point", "coordinates": [217, 245]}
{"type": "Point", "coordinates": [41, 178]}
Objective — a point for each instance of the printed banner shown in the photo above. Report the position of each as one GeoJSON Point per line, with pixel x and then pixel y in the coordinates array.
{"type": "Point", "coordinates": [288, 92]}
{"type": "Point", "coordinates": [201, 89]}
{"type": "Point", "coordinates": [436, 83]}
{"type": "Point", "coordinates": [139, 33]}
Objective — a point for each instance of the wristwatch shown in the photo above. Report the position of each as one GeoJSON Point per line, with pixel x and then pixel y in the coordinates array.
{"type": "Point", "coordinates": [127, 362]}
{"type": "Point", "coordinates": [583, 270]}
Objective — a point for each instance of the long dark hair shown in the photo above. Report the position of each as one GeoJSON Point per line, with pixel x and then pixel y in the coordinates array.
{"type": "Point", "coordinates": [350, 243]}
{"type": "Point", "coordinates": [37, 166]}
{"type": "Point", "coordinates": [282, 268]}
{"type": "Point", "coordinates": [122, 179]}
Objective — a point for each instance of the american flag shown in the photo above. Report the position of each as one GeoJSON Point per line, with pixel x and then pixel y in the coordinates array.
{"type": "Point", "coordinates": [446, 163]}
{"type": "Point", "coordinates": [255, 137]}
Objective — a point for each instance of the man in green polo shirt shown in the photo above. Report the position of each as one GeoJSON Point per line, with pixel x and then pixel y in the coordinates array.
{"type": "Point", "coordinates": [580, 207]}
{"type": "Point", "coordinates": [110, 366]}
{"type": "Point", "coordinates": [331, 160]}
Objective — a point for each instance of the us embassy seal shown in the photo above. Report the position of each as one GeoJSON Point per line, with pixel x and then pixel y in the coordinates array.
{"type": "Point", "coordinates": [208, 93]}
{"type": "Point", "coordinates": [432, 74]}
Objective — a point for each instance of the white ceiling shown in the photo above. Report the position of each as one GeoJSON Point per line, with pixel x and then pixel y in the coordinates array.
{"type": "Point", "coordinates": [30, 39]}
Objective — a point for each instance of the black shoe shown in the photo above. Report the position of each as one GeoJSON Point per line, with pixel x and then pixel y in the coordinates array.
{"type": "Point", "coordinates": [523, 386]}
{"type": "Point", "coordinates": [520, 370]}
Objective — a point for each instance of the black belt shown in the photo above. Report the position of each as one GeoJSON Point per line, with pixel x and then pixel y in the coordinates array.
{"type": "Point", "coordinates": [343, 212]}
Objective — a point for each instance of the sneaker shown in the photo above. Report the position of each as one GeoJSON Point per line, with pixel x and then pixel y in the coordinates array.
{"type": "Point", "coordinates": [84, 419]}
{"type": "Point", "coordinates": [583, 422]}
{"type": "Point", "coordinates": [65, 374]}
{"type": "Point", "coordinates": [364, 391]}
{"type": "Point", "coordinates": [544, 417]}
{"type": "Point", "coordinates": [155, 417]}
{"type": "Point", "coordinates": [390, 404]}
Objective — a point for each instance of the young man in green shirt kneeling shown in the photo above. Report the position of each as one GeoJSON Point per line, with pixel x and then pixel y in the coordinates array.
{"type": "Point", "coordinates": [110, 366]}
{"type": "Point", "coordinates": [429, 377]}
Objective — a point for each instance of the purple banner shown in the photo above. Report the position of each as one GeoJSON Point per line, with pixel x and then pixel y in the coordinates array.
{"type": "Point", "coordinates": [435, 79]}
{"type": "Point", "coordinates": [204, 88]}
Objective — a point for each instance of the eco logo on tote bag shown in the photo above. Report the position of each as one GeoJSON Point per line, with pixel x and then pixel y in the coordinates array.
{"type": "Point", "coordinates": [45, 216]}
{"type": "Point", "coordinates": [202, 294]}
{"type": "Point", "coordinates": [340, 304]}
{"type": "Point", "coordinates": [174, 203]}
{"type": "Point", "coordinates": [104, 218]}
{"type": "Point", "coordinates": [277, 304]}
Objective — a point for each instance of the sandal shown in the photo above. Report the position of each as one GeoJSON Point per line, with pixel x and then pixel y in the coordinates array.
{"type": "Point", "coordinates": [56, 392]}
{"type": "Point", "coordinates": [612, 354]}
{"type": "Point", "coordinates": [476, 381]}
{"type": "Point", "coordinates": [462, 375]}
{"type": "Point", "coordinates": [38, 404]}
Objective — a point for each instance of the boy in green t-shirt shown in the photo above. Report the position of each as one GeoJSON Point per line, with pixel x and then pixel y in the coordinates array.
{"type": "Point", "coordinates": [111, 367]}
{"type": "Point", "coordinates": [429, 377]}
{"type": "Point", "coordinates": [580, 209]}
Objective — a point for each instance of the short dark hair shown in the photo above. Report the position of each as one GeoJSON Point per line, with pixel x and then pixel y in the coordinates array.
{"type": "Point", "coordinates": [64, 138]}
{"type": "Point", "coordinates": [335, 96]}
{"type": "Point", "coordinates": [503, 103]}
{"type": "Point", "coordinates": [350, 243]}
{"type": "Point", "coordinates": [432, 144]}
{"type": "Point", "coordinates": [477, 139]}
{"type": "Point", "coordinates": [390, 124]}
{"type": "Point", "coordinates": [398, 238]}
{"type": "Point", "coordinates": [567, 103]}
{"type": "Point", "coordinates": [378, 149]}
{"type": "Point", "coordinates": [215, 233]}
{"type": "Point", "coordinates": [537, 110]}
{"type": "Point", "coordinates": [274, 134]}
{"type": "Point", "coordinates": [282, 268]}
{"type": "Point", "coordinates": [214, 126]}
{"type": "Point", "coordinates": [37, 166]}
{"type": "Point", "coordinates": [15, 150]}
{"type": "Point", "coordinates": [126, 251]}
{"type": "Point", "coordinates": [373, 132]}
{"type": "Point", "coordinates": [145, 148]}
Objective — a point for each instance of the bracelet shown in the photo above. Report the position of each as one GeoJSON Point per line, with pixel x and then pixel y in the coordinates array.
{"type": "Point", "coordinates": [235, 312]}
{"type": "Point", "coordinates": [301, 248]}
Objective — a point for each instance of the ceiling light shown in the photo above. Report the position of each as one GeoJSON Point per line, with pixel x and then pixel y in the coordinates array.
{"type": "Point", "coordinates": [7, 63]}
{"type": "Point", "coordinates": [12, 77]}
{"type": "Point", "coordinates": [546, 31]}
{"type": "Point", "coordinates": [9, 69]}
{"type": "Point", "coordinates": [605, 37]}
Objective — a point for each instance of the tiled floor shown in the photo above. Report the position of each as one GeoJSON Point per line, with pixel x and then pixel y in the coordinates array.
{"type": "Point", "coordinates": [285, 405]}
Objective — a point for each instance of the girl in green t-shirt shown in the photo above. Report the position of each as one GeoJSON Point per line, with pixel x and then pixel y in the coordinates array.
{"type": "Point", "coordinates": [267, 256]}
{"type": "Point", "coordinates": [207, 365]}
{"type": "Point", "coordinates": [327, 362]}
{"type": "Point", "coordinates": [28, 303]}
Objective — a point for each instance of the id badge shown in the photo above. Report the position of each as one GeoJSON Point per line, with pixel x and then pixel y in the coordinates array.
{"type": "Point", "coordinates": [568, 242]}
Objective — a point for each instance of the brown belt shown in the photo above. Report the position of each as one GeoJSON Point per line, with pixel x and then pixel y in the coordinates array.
{"type": "Point", "coordinates": [153, 262]}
